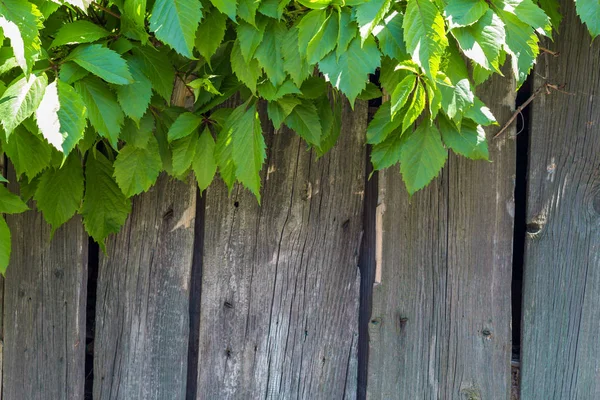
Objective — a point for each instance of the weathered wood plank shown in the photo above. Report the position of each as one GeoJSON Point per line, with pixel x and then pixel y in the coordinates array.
{"type": "Point", "coordinates": [44, 309]}
{"type": "Point", "coordinates": [440, 325]}
{"type": "Point", "coordinates": [279, 314]}
{"type": "Point", "coordinates": [560, 346]}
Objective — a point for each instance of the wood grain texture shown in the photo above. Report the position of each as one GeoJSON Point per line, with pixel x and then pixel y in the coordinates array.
{"type": "Point", "coordinates": [44, 309]}
{"type": "Point", "coordinates": [279, 313]}
{"type": "Point", "coordinates": [440, 325]}
{"type": "Point", "coordinates": [561, 302]}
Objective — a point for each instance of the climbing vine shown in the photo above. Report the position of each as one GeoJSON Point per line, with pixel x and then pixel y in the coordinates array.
{"type": "Point", "coordinates": [85, 89]}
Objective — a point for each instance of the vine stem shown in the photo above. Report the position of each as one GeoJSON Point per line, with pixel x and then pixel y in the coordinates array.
{"type": "Point", "coordinates": [106, 10]}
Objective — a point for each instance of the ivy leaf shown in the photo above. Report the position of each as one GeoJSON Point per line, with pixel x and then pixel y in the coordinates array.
{"type": "Point", "coordinates": [184, 125]}
{"type": "Point", "coordinates": [227, 7]}
{"type": "Point", "coordinates": [158, 69]}
{"type": "Point", "coordinates": [28, 153]}
{"type": "Point", "coordinates": [480, 113]}
{"type": "Point", "coordinates": [589, 11]}
{"type": "Point", "coordinates": [174, 22]}
{"type": "Point", "coordinates": [521, 44]}
{"type": "Point", "coordinates": [3, 179]}
{"type": "Point", "coordinates": [401, 93]}
{"type": "Point", "coordinates": [308, 27]}
{"type": "Point", "coordinates": [416, 107]}
{"type": "Point", "coordinates": [82, 4]}
{"type": "Point", "coordinates": [102, 62]}
{"type": "Point", "coordinates": [247, 73]}
{"type": "Point", "coordinates": [138, 135]}
{"type": "Point", "coordinates": [279, 110]}
{"type": "Point", "coordinates": [105, 207]}
{"type": "Point", "coordinates": [58, 206]}
{"type": "Point", "coordinates": [184, 150]}
{"type": "Point", "coordinates": [10, 203]}
{"type": "Point", "coordinates": [387, 153]}
{"type": "Point", "coordinates": [271, 93]}
{"type": "Point", "coordinates": [250, 37]}
{"type": "Point", "coordinates": [527, 12]}
{"type": "Point", "coordinates": [61, 116]}
{"type": "Point", "coordinates": [482, 41]}
{"type": "Point", "coordinates": [71, 72]}
{"type": "Point", "coordinates": [269, 54]}
{"type": "Point", "coordinates": [331, 123]}
{"type": "Point", "coordinates": [20, 100]}
{"type": "Point", "coordinates": [370, 14]}
{"type": "Point", "coordinates": [5, 244]}
{"type": "Point", "coordinates": [350, 72]}
{"type": "Point", "coordinates": [247, 10]}
{"type": "Point", "coordinates": [422, 157]}
{"type": "Point", "coordinates": [104, 112]}
{"type": "Point", "coordinates": [391, 36]}
{"type": "Point", "coordinates": [293, 63]}
{"type": "Point", "coordinates": [425, 35]}
{"type": "Point", "coordinates": [136, 169]}
{"type": "Point", "coordinates": [468, 141]}
{"type": "Point", "coordinates": [382, 125]}
{"type": "Point", "coordinates": [204, 164]}
{"type": "Point", "coordinates": [464, 12]}
{"type": "Point", "coordinates": [248, 146]}
{"type": "Point", "coordinates": [324, 41]}
{"type": "Point", "coordinates": [304, 120]}
{"type": "Point", "coordinates": [76, 32]}
{"type": "Point", "coordinates": [135, 97]}
{"type": "Point", "coordinates": [21, 21]}
{"type": "Point", "coordinates": [224, 157]}
{"type": "Point", "coordinates": [552, 10]}
{"type": "Point", "coordinates": [210, 34]}
{"type": "Point", "coordinates": [347, 30]}
{"type": "Point", "coordinates": [133, 20]}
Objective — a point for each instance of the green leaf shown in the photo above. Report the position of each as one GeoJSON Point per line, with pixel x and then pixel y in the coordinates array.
{"type": "Point", "coordinates": [102, 62]}
{"type": "Point", "coordinates": [247, 10]}
{"type": "Point", "coordinates": [528, 12]}
{"type": "Point", "coordinates": [552, 10]}
{"type": "Point", "coordinates": [210, 34]}
{"type": "Point", "coordinates": [589, 12]}
{"type": "Point", "coordinates": [3, 179]}
{"type": "Point", "coordinates": [369, 14]}
{"type": "Point", "coordinates": [304, 120]}
{"type": "Point", "coordinates": [271, 93]}
{"type": "Point", "coordinates": [425, 35]}
{"type": "Point", "coordinates": [382, 125]}
{"type": "Point", "coordinates": [387, 153]}
{"type": "Point", "coordinates": [468, 141]}
{"type": "Point", "coordinates": [104, 112]}
{"type": "Point", "coordinates": [174, 22]}
{"type": "Point", "coordinates": [135, 98]}
{"type": "Point", "coordinates": [391, 36]}
{"type": "Point", "coordinates": [28, 153]}
{"type": "Point", "coordinates": [204, 164]}
{"type": "Point", "coordinates": [400, 94]}
{"type": "Point", "coordinates": [279, 110]}
{"type": "Point", "coordinates": [133, 20]}
{"type": "Point", "coordinates": [482, 41]}
{"type": "Point", "coordinates": [480, 113]}
{"type": "Point", "coordinates": [59, 205]}
{"type": "Point", "coordinates": [158, 69]}
{"type": "Point", "coordinates": [370, 92]}
{"type": "Point", "coordinates": [71, 72]}
{"type": "Point", "coordinates": [20, 100]}
{"type": "Point", "coordinates": [21, 21]}
{"type": "Point", "coordinates": [184, 151]}
{"type": "Point", "coordinates": [348, 30]}
{"type": "Point", "coordinates": [5, 243]}
{"type": "Point", "coordinates": [227, 7]}
{"type": "Point", "coordinates": [250, 37]}
{"type": "Point", "coordinates": [136, 169]}
{"type": "Point", "coordinates": [80, 31]}
{"type": "Point", "coordinates": [308, 27]}
{"type": "Point", "coordinates": [61, 116]}
{"type": "Point", "coordinates": [223, 156]}
{"type": "Point", "coordinates": [331, 123]}
{"type": "Point", "coordinates": [416, 107]}
{"type": "Point", "coordinates": [269, 54]}
{"type": "Point", "coordinates": [521, 44]}
{"type": "Point", "coordinates": [248, 151]}
{"type": "Point", "coordinates": [324, 41]}
{"type": "Point", "coordinates": [350, 72]}
{"type": "Point", "coordinates": [183, 126]}
{"type": "Point", "coordinates": [138, 136]}
{"type": "Point", "coordinates": [422, 157]}
{"type": "Point", "coordinates": [464, 12]}
{"type": "Point", "coordinates": [10, 203]}
{"type": "Point", "coordinates": [293, 63]}
{"type": "Point", "coordinates": [105, 207]}
{"type": "Point", "coordinates": [247, 73]}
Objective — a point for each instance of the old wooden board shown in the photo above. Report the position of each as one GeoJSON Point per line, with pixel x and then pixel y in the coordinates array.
{"type": "Point", "coordinates": [440, 324]}
{"type": "Point", "coordinates": [561, 300]}
{"type": "Point", "coordinates": [142, 310]}
{"type": "Point", "coordinates": [279, 313]}
{"type": "Point", "coordinates": [44, 309]}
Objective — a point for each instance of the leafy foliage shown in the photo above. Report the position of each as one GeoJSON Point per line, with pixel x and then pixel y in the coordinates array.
{"type": "Point", "coordinates": [87, 119]}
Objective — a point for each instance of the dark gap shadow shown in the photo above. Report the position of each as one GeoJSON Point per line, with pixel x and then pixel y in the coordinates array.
{"type": "Point", "coordinates": [90, 317]}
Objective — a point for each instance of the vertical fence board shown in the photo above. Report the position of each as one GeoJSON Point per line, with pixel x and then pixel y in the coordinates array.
{"type": "Point", "coordinates": [44, 309]}
{"type": "Point", "coordinates": [440, 326]}
{"type": "Point", "coordinates": [142, 310]}
{"type": "Point", "coordinates": [561, 301]}
{"type": "Point", "coordinates": [279, 313]}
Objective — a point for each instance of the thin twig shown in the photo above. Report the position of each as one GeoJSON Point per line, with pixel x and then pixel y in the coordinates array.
{"type": "Point", "coordinates": [552, 53]}
{"type": "Point", "coordinates": [519, 110]}
{"type": "Point", "coordinates": [106, 10]}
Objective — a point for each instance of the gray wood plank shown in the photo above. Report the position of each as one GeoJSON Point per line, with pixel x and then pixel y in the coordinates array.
{"type": "Point", "coordinates": [560, 349]}
{"type": "Point", "coordinates": [44, 309]}
{"type": "Point", "coordinates": [142, 310]}
{"type": "Point", "coordinates": [440, 325]}
{"type": "Point", "coordinates": [279, 307]}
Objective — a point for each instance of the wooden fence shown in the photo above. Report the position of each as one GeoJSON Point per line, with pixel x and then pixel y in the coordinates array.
{"type": "Point", "coordinates": [337, 287]}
